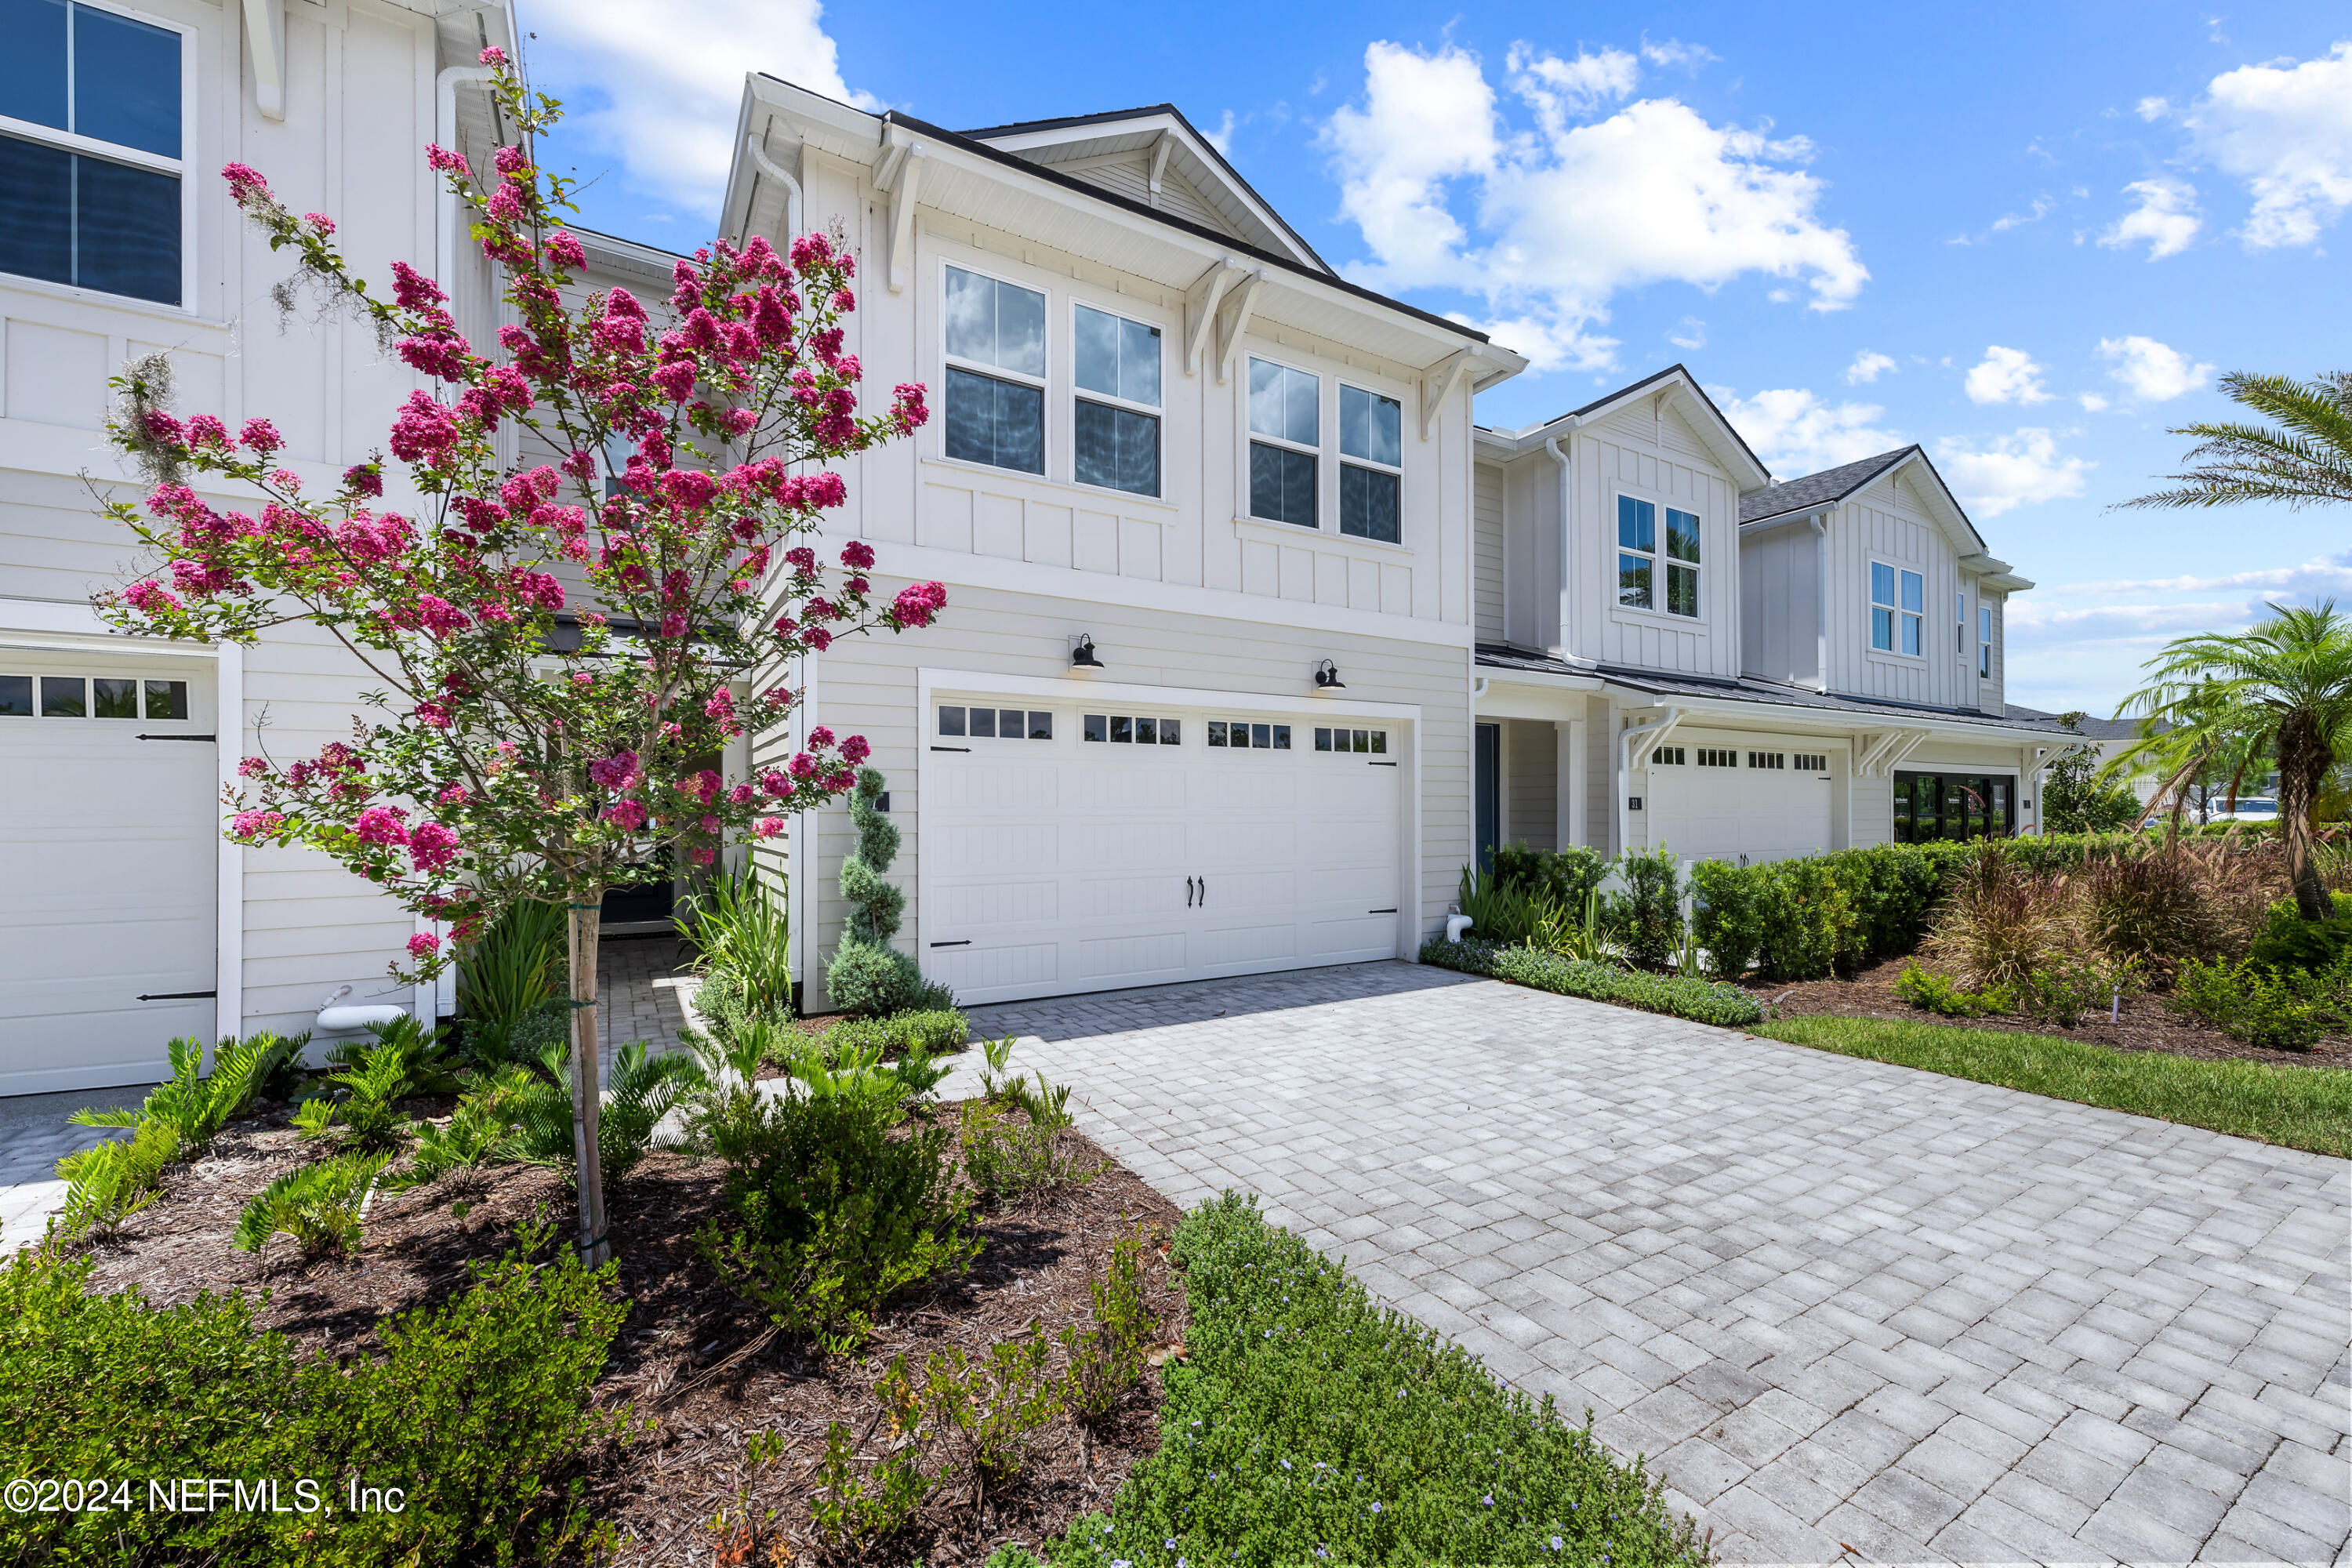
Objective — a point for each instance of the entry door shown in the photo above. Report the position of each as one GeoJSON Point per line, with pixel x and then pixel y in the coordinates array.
{"type": "Point", "coordinates": [1127, 844]}
{"type": "Point", "coordinates": [110, 824]}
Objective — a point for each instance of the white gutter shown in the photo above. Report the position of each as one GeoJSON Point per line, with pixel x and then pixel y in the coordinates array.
{"type": "Point", "coordinates": [761, 161]}
{"type": "Point", "coordinates": [445, 132]}
{"type": "Point", "coordinates": [1655, 731]}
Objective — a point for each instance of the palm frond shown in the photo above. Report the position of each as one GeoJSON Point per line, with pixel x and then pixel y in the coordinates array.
{"type": "Point", "coordinates": [2304, 460]}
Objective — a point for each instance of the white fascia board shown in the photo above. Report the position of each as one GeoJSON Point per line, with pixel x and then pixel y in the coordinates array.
{"type": "Point", "coordinates": [1954, 521]}
{"type": "Point", "coordinates": [1831, 720]}
{"type": "Point", "coordinates": [860, 137]}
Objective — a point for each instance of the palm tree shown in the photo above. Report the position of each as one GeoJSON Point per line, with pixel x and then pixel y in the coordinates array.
{"type": "Point", "coordinates": [2308, 462]}
{"type": "Point", "coordinates": [2284, 688]}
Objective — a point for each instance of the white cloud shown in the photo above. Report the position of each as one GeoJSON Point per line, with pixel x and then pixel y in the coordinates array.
{"type": "Point", "coordinates": [1673, 52]}
{"type": "Point", "coordinates": [2008, 471]}
{"type": "Point", "coordinates": [2150, 371]}
{"type": "Point", "coordinates": [1546, 224]}
{"type": "Point", "coordinates": [1868, 365]}
{"type": "Point", "coordinates": [2153, 109]}
{"type": "Point", "coordinates": [1690, 335]}
{"type": "Point", "coordinates": [2041, 208]}
{"type": "Point", "coordinates": [1221, 138]}
{"type": "Point", "coordinates": [2092, 402]}
{"type": "Point", "coordinates": [1797, 432]}
{"type": "Point", "coordinates": [2165, 217]}
{"type": "Point", "coordinates": [2322, 574]}
{"type": "Point", "coordinates": [671, 91]}
{"type": "Point", "coordinates": [2006, 375]}
{"type": "Point", "coordinates": [2286, 129]}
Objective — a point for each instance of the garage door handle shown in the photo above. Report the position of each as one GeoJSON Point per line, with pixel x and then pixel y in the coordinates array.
{"type": "Point", "coordinates": [1383, 765]}
{"type": "Point", "coordinates": [1188, 892]}
{"type": "Point", "coordinates": [177, 995]}
{"type": "Point", "coordinates": [1380, 912]}
{"type": "Point", "coordinates": [1205, 892]}
{"type": "Point", "coordinates": [175, 737]}
{"type": "Point", "coordinates": [964, 942]}
{"type": "Point", "coordinates": [951, 747]}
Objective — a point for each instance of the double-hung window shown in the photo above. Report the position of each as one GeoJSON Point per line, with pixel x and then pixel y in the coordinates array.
{"type": "Point", "coordinates": [1640, 567]}
{"type": "Point", "coordinates": [1897, 609]}
{"type": "Point", "coordinates": [995, 373]}
{"type": "Point", "coordinates": [1984, 641]}
{"type": "Point", "coordinates": [89, 149]}
{"type": "Point", "coordinates": [1285, 416]}
{"type": "Point", "coordinates": [1119, 403]}
{"type": "Point", "coordinates": [1372, 475]}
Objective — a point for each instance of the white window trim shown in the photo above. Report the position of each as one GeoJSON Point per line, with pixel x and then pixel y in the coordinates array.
{"type": "Point", "coordinates": [180, 167]}
{"type": "Point", "coordinates": [1659, 561]}
{"type": "Point", "coordinates": [1370, 465]}
{"type": "Point", "coordinates": [1987, 625]}
{"type": "Point", "coordinates": [1327, 417]}
{"type": "Point", "coordinates": [1044, 383]}
{"type": "Point", "coordinates": [1919, 615]}
{"type": "Point", "coordinates": [1157, 412]}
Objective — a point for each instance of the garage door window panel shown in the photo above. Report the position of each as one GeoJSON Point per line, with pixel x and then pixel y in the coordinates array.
{"type": "Point", "coordinates": [995, 341]}
{"type": "Point", "coordinates": [1285, 415]}
{"type": "Point", "coordinates": [970, 721]}
{"type": "Point", "coordinates": [1132, 729]}
{"type": "Point", "coordinates": [90, 174]}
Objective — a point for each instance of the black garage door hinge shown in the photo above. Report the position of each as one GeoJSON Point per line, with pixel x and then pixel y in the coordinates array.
{"type": "Point", "coordinates": [177, 995]}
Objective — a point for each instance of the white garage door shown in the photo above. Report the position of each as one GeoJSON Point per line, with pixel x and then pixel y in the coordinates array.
{"type": "Point", "coordinates": [109, 834]}
{"type": "Point", "coordinates": [1069, 850]}
{"type": "Point", "coordinates": [1722, 801]}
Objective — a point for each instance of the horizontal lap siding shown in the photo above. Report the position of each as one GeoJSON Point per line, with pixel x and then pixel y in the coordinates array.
{"type": "Point", "coordinates": [1531, 755]}
{"type": "Point", "coordinates": [1486, 567]}
{"type": "Point", "coordinates": [868, 686]}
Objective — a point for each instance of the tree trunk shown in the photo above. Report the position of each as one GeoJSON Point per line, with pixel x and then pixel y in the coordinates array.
{"type": "Point", "coordinates": [587, 1091]}
{"type": "Point", "coordinates": [2303, 759]}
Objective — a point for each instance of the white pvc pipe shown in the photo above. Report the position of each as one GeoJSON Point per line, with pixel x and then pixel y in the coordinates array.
{"type": "Point", "coordinates": [1456, 925]}
{"type": "Point", "coordinates": [445, 132]}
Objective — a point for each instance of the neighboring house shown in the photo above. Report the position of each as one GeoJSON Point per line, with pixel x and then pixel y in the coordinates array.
{"type": "Point", "coordinates": [1676, 652]}
{"type": "Point", "coordinates": [2107, 738]}
{"type": "Point", "coordinates": [128, 920]}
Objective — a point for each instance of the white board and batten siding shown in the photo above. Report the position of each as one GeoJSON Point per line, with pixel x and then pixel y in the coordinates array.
{"type": "Point", "coordinates": [1650, 452]}
{"type": "Point", "coordinates": [1889, 521]}
{"type": "Point", "coordinates": [1013, 646]}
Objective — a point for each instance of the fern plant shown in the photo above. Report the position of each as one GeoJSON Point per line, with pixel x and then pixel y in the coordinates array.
{"type": "Point", "coordinates": [642, 1089]}
{"type": "Point", "coordinates": [109, 1182]}
{"type": "Point", "coordinates": [196, 1106]}
{"type": "Point", "coordinates": [479, 1130]}
{"type": "Point", "coordinates": [317, 1206]}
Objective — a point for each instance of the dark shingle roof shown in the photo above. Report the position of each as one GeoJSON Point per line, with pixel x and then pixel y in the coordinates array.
{"type": "Point", "coordinates": [1824, 488]}
{"type": "Point", "coordinates": [2090, 729]}
{"type": "Point", "coordinates": [1677, 368]}
{"type": "Point", "coordinates": [1747, 688]}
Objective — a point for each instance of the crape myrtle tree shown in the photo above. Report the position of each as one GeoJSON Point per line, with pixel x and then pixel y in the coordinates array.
{"type": "Point", "coordinates": [508, 754]}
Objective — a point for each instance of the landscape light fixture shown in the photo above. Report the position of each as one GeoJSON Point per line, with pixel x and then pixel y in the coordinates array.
{"type": "Point", "coordinates": [1326, 677]}
{"type": "Point", "coordinates": [1082, 654]}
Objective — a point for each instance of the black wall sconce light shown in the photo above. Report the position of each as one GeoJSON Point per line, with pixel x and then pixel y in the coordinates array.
{"type": "Point", "coordinates": [1082, 654]}
{"type": "Point", "coordinates": [1326, 677]}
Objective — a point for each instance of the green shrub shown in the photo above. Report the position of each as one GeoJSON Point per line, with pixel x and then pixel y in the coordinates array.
{"type": "Point", "coordinates": [108, 1183]}
{"type": "Point", "coordinates": [195, 1106]}
{"type": "Point", "coordinates": [640, 1091]}
{"type": "Point", "coordinates": [317, 1206]}
{"type": "Point", "coordinates": [494, 1042]}
{"type": "Point", "coordinates": [1647, 916]}
{"type": "Point", "coordinates": [2288, 941]}
{"type": "Point", "coordinates": [514, 968]}
{"type": "Point", "coordinates": [1933, 992]}
{"type": "Point", "coordinates": [478, 1412]}
{"type": "Point", "coordinates": [2061, 993]}
{"type": "Point", "coordinates": [1701, 1001]}
{"type": "Point", "coordinates": [1309, 1424]}
{"type": "Point", "coordinates": [1503, 911]}
{"type": "Point", "coordinates": [1564, 877]}
{"type": "Point", "coordinates": [972, 1416]}
{"type": "Point", "coordinates": [831, 1213]}
{"type": "Point", "coordinates": [2286, 1010]}
{"type": "Point", "coordinates": [476, 1134]}
{"type": "Point", "coordinates": [872, 981]}
{"type": "Point", "coordinates": [868, 976]}
{"type": "Point", "coordinates": [740, 926]}
{"type": "Point", "coordinates": [1012, 1142]}
{"type": "Point", "coordinates": [1809, 922]}
{"type": "Point", "coordinates": [933, 1030]}
{"type": "Point", "coordinates": [365, 1099]}
{"type": "Point", "coordinates": [2150, 909]}
{"type": "Point", "coordinates": [853, 1508]}
{"type": "Point", "coordinates": [1106, 1359]}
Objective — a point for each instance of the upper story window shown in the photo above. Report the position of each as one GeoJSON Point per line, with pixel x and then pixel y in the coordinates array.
{"type": "Point", "coordinates": [1639, 566]}
{"type": "Point", "coordinates": [89, 149]}
{"type": "Point", "coordinates": [1117, 423]}
{"type": "Point", "coordinates": [1960, 622]}
{"type": "Point", "coordinates": [1371, 476]}
{"type": "Point", "coordinates": [1286, 417]}
{"type": "Point", "coordinates": [1984, 641]}
{"type": "Point", "coordinates": [1897, 601]}
{"type": "Point", "coordinates": [995, 334]}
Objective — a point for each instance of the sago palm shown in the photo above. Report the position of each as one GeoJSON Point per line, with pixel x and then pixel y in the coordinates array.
{"type": "Point", "coordinates": [2284, 686]}
{"type": "Point", "coordinates": [2304, 459]}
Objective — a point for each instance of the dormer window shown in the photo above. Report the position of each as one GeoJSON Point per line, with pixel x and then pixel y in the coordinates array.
{"type": "Point", "coordinates": [1640, 566]}
{"type": "Point", "coordinates": [90, 156]}
{"type": "Point", "coordinates": [1372, 475]}
{"type": "Point", "coordinates": [1286, 417]}
{"type": "Point", "coordinates": [1117, 421]}
{"type": "Point", "coordinates": [995, 336]}
{"type": "Point", "coordinates": [1897, 609]}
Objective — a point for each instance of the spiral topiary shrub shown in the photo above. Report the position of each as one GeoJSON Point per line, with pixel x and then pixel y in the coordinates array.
{"type": "Point", "coordinates": [868, 974]}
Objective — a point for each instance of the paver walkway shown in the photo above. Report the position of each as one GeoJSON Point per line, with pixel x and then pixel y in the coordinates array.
{"type": "Point", "coordinates": [1839, 1303]}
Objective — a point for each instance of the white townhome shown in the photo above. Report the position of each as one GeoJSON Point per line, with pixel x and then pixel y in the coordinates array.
{"type": "Point", "coordinates": [1674, 652]}
{"type": "Point", "coordinates": [128, 921]}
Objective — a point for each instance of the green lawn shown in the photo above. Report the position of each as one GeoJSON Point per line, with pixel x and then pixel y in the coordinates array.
{"type": "Point", "coordinates": [2295, 1107]}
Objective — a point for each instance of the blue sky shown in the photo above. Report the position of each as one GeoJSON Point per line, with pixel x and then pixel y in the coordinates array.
{"type": "Point", "coordinates": [2028, 237]}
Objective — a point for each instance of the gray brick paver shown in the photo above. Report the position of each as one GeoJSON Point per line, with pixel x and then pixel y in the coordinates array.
{"type": "Point", "coordinates": [1847, 1302]}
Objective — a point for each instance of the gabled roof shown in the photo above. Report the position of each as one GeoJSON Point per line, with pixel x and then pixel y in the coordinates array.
{"type": "Point", "coordinates": [1730, 446]}
{"type": "Point", "coordinates": [1814, 491]}
{"type": "Point", "coordinates": [1075, 137]}
{"type": "Point", "coordinates": [2089, 728]}
{"type": "Point", "coordinates": [1831, 486]}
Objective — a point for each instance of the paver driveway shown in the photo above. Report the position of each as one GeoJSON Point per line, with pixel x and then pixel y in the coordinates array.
{"type": "Point", "coordinates": [1840, 1304]}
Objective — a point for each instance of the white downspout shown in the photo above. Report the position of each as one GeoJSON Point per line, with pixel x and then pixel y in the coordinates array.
{"type": "Point", "coordinates": [1625, 769]}
{"type": "Point", "coordinates": [761, 161]}
{"type": "Point", "coordinates": [445, 132]}
{"type": "Point", "coordinates": [1821, 528]}
{"type": "Point", "coordinates": [1567, 555]}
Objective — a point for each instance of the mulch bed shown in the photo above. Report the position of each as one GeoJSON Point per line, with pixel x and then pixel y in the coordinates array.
{"type": "Point", "coordinates": [676, 1358]}
{"type": "Point", "coordinates": [2145, 1025]}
